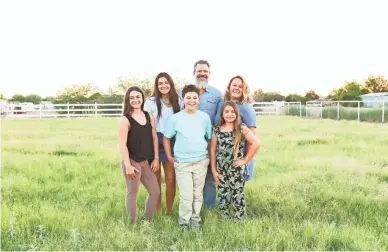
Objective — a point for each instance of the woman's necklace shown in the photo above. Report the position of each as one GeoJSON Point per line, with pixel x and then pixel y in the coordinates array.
{"type": "Point", "coordinates": [167, 103]}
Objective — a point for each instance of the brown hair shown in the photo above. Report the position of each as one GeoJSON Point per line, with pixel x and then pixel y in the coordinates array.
{"type": "Point", "coordinates": [190, 88]}
{"type": "Point", "coordinates": [246, 98]}
{"type": "Point", "coordinates": [236, 125]}
{"type": "Point", "coordinates": [127, 107]}
{"type": "Point", "coordinates": [172, 95]}
{"type": "Point", "coordinates": [201, 62]}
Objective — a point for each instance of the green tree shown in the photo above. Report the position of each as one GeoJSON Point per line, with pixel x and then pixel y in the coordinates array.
{"type": "Point", "coordinates": [2, 96]}
{"type": "Point", "coordinates": [78, 94]}
{"type": "Point", "coordinates": [48, 98]}
{"type": "Point", "coordinates": [143, 81]}
{"type": "Point", "coordinates": [311, 95]}
{"type": "Point", "coordinates": [293, 98]}
{"type": "Point", "coordinates": [34, 98]}
{"type": "Point", "coordinates": [17, 98]}
{"type": "Point", "coordinates": [273, 96]}
{"type": "Point", "coordinates": [351, 91]}
{"type": "Point", "coordinates": [376, 84]}
{"type": "Point", "coordinates": [258, 95]}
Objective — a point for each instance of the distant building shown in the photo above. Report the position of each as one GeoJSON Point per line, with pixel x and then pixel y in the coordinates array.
{"type": "Point", "coordinates": [375, 99]}
{"type": "Point", "coordinates": [3, 106]}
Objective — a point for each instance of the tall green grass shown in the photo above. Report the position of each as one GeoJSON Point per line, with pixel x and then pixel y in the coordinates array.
{"type": "Point", "coordinates": [348, 113]}
{"type": "Point", "coordinates": [345, 113]}
{"type": "Point", "coordinates": [318, 185]}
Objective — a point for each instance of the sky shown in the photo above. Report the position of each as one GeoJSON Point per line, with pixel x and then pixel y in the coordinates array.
{"type": "Point", "coordinates": [282, 46]}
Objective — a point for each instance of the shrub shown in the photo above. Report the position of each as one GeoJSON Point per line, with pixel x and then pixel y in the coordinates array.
{"type": "Point", "coordinates": [366, 114]}
{"type": "Point", "coordinates": [294, 110]}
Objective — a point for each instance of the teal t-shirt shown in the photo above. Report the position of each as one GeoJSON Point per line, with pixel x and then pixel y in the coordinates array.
{"type": "Point", "coordinates": [190, 131]}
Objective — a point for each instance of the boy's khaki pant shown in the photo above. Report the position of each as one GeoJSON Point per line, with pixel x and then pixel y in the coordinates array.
{"type": "Point", "coordinates": [190, 179]}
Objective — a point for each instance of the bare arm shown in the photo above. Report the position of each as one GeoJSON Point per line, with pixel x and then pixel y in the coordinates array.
{"type": "Point", "coordinates": [254, 143]}
{"type": "Point", "coordinates": [167, 149]}
{"type": "Point", "coordinates": [253, 129]}
{"type": "Point", "coordinates": [155, 138]}
{"type": "Point", "coordinates": [123, 134]}
{"type": "Point", "coordinates": [155, 163]}
{"type": "Point", "coordinates": [212, 152]}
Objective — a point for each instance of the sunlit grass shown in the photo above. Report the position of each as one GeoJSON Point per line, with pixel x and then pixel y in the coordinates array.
{"type": "Point", "coordinates": [318, 185]}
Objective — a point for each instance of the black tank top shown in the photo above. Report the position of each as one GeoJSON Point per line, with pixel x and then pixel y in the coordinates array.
{"type": "Point", "coordinates": [140, 143]}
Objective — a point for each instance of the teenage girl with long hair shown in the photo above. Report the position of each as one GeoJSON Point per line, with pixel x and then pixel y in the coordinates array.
{"type": "Point", "coordinates": [139, 150]}
{"type": "Point", "coordinates": [163, 103]}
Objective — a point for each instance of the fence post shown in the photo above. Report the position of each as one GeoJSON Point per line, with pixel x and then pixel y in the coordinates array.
{"type": "Point", "coordinates": [40, 110]}
{"type": "Point", "coordinates": [95, 108]}
{"type": "Point", "coordinates": [276, 108]}
{"type": "Point", "coordinates": [68, 111]}
{"type": "Point", "coordinates": [288, 109]}
{"type": "Point", "coordinates": [358, 111]}
{"type": "Point", "coordinates": [306, 109]}
{"type": "Point", "coordinates": [382, 119]}
{"type": "Point", "coordinates": [300, 109]}
{"type": "Point", "coordinates": [337, 110]}
{"type": "Point", "coordinates": [321, 110]}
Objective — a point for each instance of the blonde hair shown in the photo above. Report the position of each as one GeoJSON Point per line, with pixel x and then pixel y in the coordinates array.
{"type": "Point", "coordinates": [246, 97]}
{"type": "Point", "coordinates": [236, 125]}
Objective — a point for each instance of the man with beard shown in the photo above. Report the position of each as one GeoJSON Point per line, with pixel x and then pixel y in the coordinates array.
{"type": "Point", "coordinates": [209, 100]}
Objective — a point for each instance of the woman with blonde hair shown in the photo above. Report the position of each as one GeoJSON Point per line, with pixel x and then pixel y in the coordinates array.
{"type": "Point", "coordinates": [238, 91]}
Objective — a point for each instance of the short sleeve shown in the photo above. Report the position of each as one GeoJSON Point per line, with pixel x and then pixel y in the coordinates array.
{"type": "Point", "coordinates": [242, 127]}
{"type": "Point", "coordinates": [208, 133]}
{"type": "Point", "coordinates": [216, 130]}
{"type": "Point", "coordinates": [169, 128]}
{"type": "Point", "coordinates": [248, 115]}
{"type": "Point", "coordinates": [218, 114]}
{"type": "Point", "coordinates": [147, 106]}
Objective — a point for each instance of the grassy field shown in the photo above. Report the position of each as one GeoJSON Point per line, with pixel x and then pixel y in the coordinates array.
{"type": "Point", "coordinates": [318, 185]}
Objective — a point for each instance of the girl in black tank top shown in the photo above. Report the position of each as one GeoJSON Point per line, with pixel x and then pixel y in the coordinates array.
{"type": "Point", "coordinates": [139, 152]}
{"type": "Point", "coordinates": [139, 141]}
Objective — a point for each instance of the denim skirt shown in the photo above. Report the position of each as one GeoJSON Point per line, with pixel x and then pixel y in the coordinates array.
{"type": "Point", "coordinates": [162, 153]}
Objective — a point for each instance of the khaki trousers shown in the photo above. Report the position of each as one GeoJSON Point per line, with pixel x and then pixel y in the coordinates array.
{"type": "Point", "coordinates": [191, 180]}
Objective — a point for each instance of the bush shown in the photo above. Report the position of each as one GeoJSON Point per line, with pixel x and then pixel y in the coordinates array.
{"type": "Point", "coordinates": [366, 114]}
{"type": "Point", "coordinates": [294, 110]}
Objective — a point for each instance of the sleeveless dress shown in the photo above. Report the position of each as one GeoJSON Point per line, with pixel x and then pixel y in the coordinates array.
{"type": "Point", "coordinates": [231, 190]}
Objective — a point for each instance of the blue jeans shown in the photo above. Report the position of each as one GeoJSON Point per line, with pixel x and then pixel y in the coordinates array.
{"type": "Point", "coordinates": [209, 190]}
{"type": "Point", "coordinates": [249, 167]}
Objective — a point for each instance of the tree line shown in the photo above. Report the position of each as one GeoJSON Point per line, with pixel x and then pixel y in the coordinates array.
{"type": "Point", "coordinates": [89, 93]}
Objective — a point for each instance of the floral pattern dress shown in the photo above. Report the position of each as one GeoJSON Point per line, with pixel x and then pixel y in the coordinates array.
{"type": "Point", "coordinates": [231, 189]}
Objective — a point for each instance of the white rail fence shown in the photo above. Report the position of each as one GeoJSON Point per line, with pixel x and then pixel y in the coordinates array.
{"type": "Point", "coordinates": [337, 110]}
{"type": "Point", "coordinates": [98, 110]}
{"type": "Point", "coordinates": [372, 111]}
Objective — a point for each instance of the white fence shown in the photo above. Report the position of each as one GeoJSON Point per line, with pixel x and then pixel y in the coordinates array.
{"type": "Point", "coordinates": [277, 108]}
{"type": "Point", "coordinates": [337, 110]}
{"type": "Point", "coordinates": [348, 110]}
{"type": "Point", "coordinates": [100, 110]}
{"type": "Point", "coordinates": [64, 110]}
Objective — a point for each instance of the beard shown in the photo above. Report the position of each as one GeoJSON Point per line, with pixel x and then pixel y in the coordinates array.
{"type": "Point", "coordinates": [201, 83]}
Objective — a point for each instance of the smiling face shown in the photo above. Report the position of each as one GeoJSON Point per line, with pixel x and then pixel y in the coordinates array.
{"type": "Point", "coordinates": [135, 99]}
{"type": "Point", "coordinates": [163, 86]}
{"type": "Point", "coordinates": [236, 89]}
{"type": "Point", "coordinates": [229, 114]}
{"type": "Point", "coordinates": [201, 74]}
{"type": "Point", "coordinates": [191, 100]}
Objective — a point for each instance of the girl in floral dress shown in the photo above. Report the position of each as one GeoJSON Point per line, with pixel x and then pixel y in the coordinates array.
{"type": "Point", "coordinates": [228, 162]}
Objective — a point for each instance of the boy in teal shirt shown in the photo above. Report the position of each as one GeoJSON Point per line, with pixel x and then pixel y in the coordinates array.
{"type": "Point", "coordinates": [190, 128]}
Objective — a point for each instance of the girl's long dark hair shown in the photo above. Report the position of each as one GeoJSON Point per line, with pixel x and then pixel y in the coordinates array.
{"type": "Point", "coordinates": [127, 107]}
{"type": "Point", "coordinates": [172, 95]}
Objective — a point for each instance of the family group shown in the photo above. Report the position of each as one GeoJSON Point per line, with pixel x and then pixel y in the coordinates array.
{"type": "Point", "coordinates": [204, 140]}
